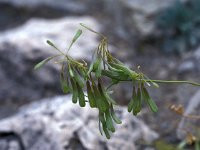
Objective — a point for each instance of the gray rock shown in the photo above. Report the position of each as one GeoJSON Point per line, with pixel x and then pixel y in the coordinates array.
{"type": "Point", "coordinates": [21, 48]}
{"type": "Point", "coordinates": [136, 15]}
{"type": "Point", "coordinates": [69, 5]}
{"type": "Point", "coordinates": [58, 124]}
{"type": "Point", "coordinates": [190, 124]}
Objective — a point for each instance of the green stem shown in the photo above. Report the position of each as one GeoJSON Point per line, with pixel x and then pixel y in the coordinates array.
{"type": "Point", "coordinates": [172, 81]}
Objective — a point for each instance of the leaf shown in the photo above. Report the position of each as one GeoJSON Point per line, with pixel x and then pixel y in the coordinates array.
{"type": "Point", "coordinates": [132, 74]}
{"type": "Point", "coordinates": [43, 62]}
{"type": "Point", "coordinates": [90, 94]}
{"type": "Point", "coordinates": [51, 44]}
{"type": "Point", "coordinates": [115, 118]}
{"type": "Point", "coordinates": [76, 36]}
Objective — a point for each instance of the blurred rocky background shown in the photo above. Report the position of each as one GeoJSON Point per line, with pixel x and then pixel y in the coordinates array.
{"type": "Point", "coordinates": [163, 37]}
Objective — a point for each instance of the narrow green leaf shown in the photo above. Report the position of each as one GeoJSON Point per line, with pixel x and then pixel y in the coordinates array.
{"type": "Point", "coordinates": [51, 44]}
{"type": "Point", "coordinates": [132, 74]}
{"type": "Point", "coordinates": [43, 62]}
{"type": "Point", "coordinates": [115, 118]}
{"type": "Point", "coordinates": [76, 36]}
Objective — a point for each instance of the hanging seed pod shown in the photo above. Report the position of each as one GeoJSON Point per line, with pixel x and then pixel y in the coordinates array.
{"type": "Point", "coordinates": [131, 103]}
{"type": "Point", "coordinates": [97, 63]}
{"type": "Point", "coordinates": [139, 101]}
{"type": "Point", "coordinates": [71, 73]}
{"type": "Point", "coordinates": [81, 95]}
{"type": "Point", "coordinates": [109, 121]}
{"type": "Point", "coordinates": [148, 100]}
{"type": "Point", "coordinates": [78, 79]}
{"type": "Point", "coordinates": [74, 91]}
{"type": "Point", "coordinates": [104, 94]}
{"type": "Point", "coordinates": [100, 103]}
{"type": "Point", "coordinates": [115, 118]}
{"type": "Point", "coordinates": [104, 126]}
{"type": "Point", "coordinates": [64, 80]}
{"type": "Point", "coordinates": [90, 94]}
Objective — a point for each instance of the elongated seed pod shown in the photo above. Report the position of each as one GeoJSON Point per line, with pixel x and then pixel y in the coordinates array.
{"type": "Point", "coordinates": [90, 94]}
{"type": "Point", "coordinates": [78, 79]}
{"type": "Point", "coordinates": [109, 121]}
{"type": "Point", "coordinates": [115, 118]}
{"type": "Point", "coordinates": [104, 125]}
{"type": "Point", "coordinates": [100, 103]}
{"type": "Point", "coordinates": [96, 63]}
{"type": "Point", "coordinates": [149, 100]}
{"type": "Point", "coordinates": [74, 91]}
{"type": "Point", "coordinates": [104, 94]}
{"type": "Point", "coordinates": [81, 96]}
{"type": "Point", "coordinates": [132, 101]}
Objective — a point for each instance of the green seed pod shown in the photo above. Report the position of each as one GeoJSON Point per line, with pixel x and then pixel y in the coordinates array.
{"type": "Point", "coordinates": [149, 100]}
{"type": "Point", "coordinates": [81, 96]}
{"type": "Point", "coordinates": [115, 118]}
{"type": "Point", "coordinates": [104, 125]}
{"type": "Point", "coordinates": [109, 122]}
{"type": "Point", "coordinates": [132, 101]}
{"type": "Point", "coordinates": [71, 73]}
{"type": "Point", "coordinates": [74, 91]}
{"type": "Point", "coordinates": [97, 63]}
{"type": "Point", "coordinates": [137, 102]}
{"type": "Point", "coordinates": [104, 94]}
{"type": "Point", "coordinates": [78, 79]}
{"type": "Point", "coordinates": [106, 131]}
{"type": "Point", "coordinates": [99, 99]}
{"type": "Point", "coordinates": [90, 94]}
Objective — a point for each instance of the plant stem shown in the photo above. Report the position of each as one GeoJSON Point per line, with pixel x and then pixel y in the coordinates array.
{"type": "Point", "coordinates": [172, 81]}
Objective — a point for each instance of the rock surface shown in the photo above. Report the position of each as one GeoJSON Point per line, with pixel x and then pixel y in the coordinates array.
{"type": "Point", "coordinates": [57, 123]}
{"type": "Point", "coordinates": [136, 16]}
{"type": "Point", "coordinates": [69, 5]}
{"type": "Point", "coordinates": [190, 124]}
{"type": "Point", "coordinates": [21, 48]}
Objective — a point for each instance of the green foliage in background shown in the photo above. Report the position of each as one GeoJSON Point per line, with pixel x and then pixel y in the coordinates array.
{"type": "Point", "coordinates": [180, 25]}
{"type": "Point", "coordinates": [78, 76]}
